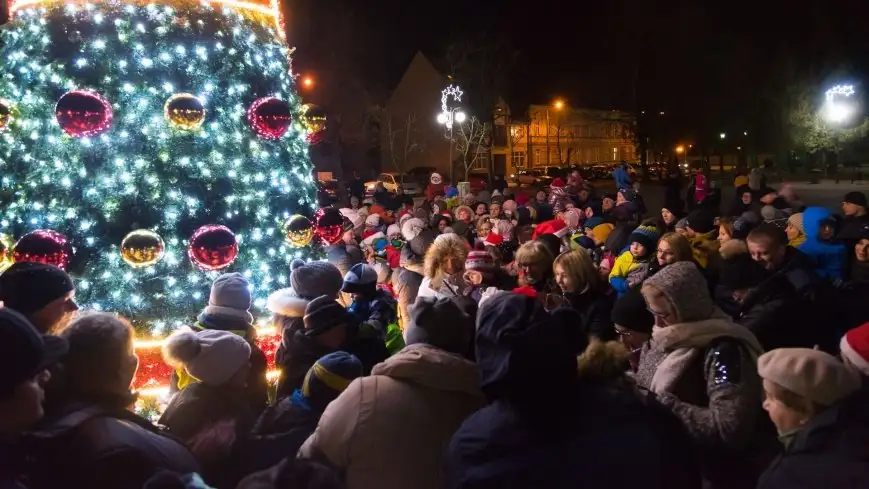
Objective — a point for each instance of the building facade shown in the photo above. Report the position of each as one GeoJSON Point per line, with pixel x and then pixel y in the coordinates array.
{"type": "Point", "coordinates": [551, 136]}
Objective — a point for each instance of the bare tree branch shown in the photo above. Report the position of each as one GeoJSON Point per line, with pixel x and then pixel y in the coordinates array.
{"type": "Point", "coordinates": [471, 138]}
{"type": "Point", "coordinates": [404, 140]}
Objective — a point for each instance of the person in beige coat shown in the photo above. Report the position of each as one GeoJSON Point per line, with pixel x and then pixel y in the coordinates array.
{"type": "Point", "coordinates": [390, 430]}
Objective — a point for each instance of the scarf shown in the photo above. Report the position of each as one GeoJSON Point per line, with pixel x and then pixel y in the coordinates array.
{"type": "Point", "coordinates": [684, 343]}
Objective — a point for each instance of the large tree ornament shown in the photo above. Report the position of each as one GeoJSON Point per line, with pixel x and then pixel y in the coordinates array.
{"type": "Point", "coordinates": [142, 248]}
{"type": "Point", "coordinates": [328, 225]}
{"type": "Point", "coordinates": [314, 120]}
{"type": "Point", "coordinates": [184, 111]}
{"type": "Point", "coordinates": [213, 247]}
{"type": "Point", "coordinates": [269, 117]}
{"type": "Point", "coordinates": [5, 114]}
{"type": "Point", "coordinates": [298, 231]}
{"type": "Point", "coordinates": [6, 247]}
{"type": "Point", "coordinates": [81, 113]}
{"type": "Point", "coordinates": [44, 246]}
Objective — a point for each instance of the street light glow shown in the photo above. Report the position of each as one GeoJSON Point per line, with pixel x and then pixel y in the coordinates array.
{"type": "Point", "coordinates": [837, 108]}
{"type": "Point", "coordinates": [460, 117]}
{"type": "Point", "coordinates": [442, 118]}
{"type": "Point", "coordinates": [558, 104]}
{"type": "Point", "coordinates": [722, 135]}
{"type": "Point", "coordinates": [308, 82]}
{"type": "Point", "coordinates": [680, 149]}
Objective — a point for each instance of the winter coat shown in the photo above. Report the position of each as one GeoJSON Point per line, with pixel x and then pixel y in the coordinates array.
{"type": "Point", "coordinates": [210, 419]}
{"type": "Point", "coordinates": [411, 273]}
{"type": "Point", "coordinates": [568, 435]}
{"type": "Point", "coordinates": [389, 430]}
{"type": "Point", "coordinates": [343, 256]}
{"type": "Point", "coordinates": [829, 258]}
{"type": "Point", "coordinates": [629, 271]}
{"type": "Point", "coordinates": [621, 177]}
{"type": "Point", "coordinates": [706, 373]}
{"type": "Point", "coordinates": [257, 384]}
{"type": "Point", "coordinates": [704, 249]}
{"type": "Point", "coordinates": [594, 307]}
{"type": "Point", "coordinates": [279, 433]}
{"type": "Point", "coordinates": [830, 452]}
{"type": "Point", "coordinates": [790, 308]}
{"type": "Point", "coordinates": [90, 443]}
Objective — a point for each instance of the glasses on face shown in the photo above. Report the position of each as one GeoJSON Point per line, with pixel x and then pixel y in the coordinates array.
{"type": "Point", "coordinates": [624, 333]}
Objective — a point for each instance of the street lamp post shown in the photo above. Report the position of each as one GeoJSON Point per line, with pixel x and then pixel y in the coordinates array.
{"type": "Point", "coordinates": [450, 115]}
{"type": "Point", "coordinates": [558, 104]}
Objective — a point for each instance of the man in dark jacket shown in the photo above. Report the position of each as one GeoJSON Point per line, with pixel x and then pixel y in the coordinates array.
{"type": "Point", "coordinates": [92, 439]}
{"type": "Point", "coordinates": [541, 434]}
{"type": "Point", "coordinates": [25, 356]}
{"type": "Point", "coordinates": [791, 284]}
{"type": "Point", "coordinates": [410, 275]}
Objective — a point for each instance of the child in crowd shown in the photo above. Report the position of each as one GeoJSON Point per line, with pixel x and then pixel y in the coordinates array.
{"type": "Point", "coordinates": [632, 266]}
{"type": "Point", "coordinates": [373, 305]}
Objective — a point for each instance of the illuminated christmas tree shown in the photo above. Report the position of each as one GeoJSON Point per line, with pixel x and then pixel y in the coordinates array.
{"type": "Point", "coordinates": [149, 146]}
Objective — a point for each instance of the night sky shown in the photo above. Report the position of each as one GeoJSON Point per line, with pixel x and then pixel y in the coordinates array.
{"type": "Point", "coordinates": [705, 64]}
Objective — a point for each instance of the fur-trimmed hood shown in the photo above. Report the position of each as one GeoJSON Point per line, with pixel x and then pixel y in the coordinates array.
{"type": "Point", "coordinates": [603, 362]}
{"type": "Point", "coordinates": [732, 248]}
{"type": "Point", "coordinates": [286, 302]}
{"type": "Point", "coordinates": [445, 246]}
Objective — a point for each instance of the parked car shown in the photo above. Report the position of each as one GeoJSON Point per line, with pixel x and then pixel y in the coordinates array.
{"type": "Point", "coordinates": [525, 177]}
{"type": "Point", "coordinates": [395, 183]}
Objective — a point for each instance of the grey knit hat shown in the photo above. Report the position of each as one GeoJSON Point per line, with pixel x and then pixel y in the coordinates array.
{"type": "Point", "coordinates": [684, 286]}
{"type": "Point", "coordinates": [313, 279]}
{"type": "Point", "coordinates": [230, 297]}
{"type": "Point", "coordinates": [440, 323]}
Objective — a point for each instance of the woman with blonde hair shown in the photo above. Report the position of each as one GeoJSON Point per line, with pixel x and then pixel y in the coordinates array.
{"type": "Point", "coordinates": [534, 267]}
{"type": "Point", "coordinates": [584, 290]}
{"type": "Point", "coordinates": [443, 267]}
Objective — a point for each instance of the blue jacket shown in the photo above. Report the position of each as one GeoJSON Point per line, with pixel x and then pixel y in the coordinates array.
{"type": "Point", "coordinates": [829, 258]}
{"type": "Point", "coordinates": [622, 178]}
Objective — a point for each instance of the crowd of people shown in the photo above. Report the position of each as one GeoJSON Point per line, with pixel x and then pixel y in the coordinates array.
{"type": "Point", "coordinates": [508, 339]}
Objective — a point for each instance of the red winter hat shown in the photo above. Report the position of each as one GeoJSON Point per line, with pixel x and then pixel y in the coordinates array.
{"type": "Point", "coordinates": [493, 240]}
{"type": "Point", "coordinates": [479, 260]}
{"type": "Point", "coordinates": [558, 182]}
{"type": "Point", "coordinates": [549, 227]}
{"type": "Point", "coordinates": [855, 348]}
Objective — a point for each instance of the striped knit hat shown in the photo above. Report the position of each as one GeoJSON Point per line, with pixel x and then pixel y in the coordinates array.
{"type": "Point", "coordinates": [328, 378]}
{"type": "Point", "coordinates": [646, 236]}
{"type": "Point", "coordinates": [480, 261]}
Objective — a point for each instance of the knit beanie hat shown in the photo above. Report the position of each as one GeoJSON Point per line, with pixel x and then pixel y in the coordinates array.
{"type": "Point", "coordinates": [440, 323]}
{"type": "Point", "coordinates": [813, 374]}
{"type": "Point", "coordinates": [682, 223]}
{"type": "Point", "coordinates": [855, 348]}
{"type": "Point", "coordinates": [315, 278]}
{"type": "Point", "coordinates": [211, 356]}
{"type": "Point", "coordinates": [701, 221]}
{"type": "Point", "coordinates": [684, 286]}
{"type": "Point", "coordinates": [28, 287]}
{"type": "Point", "coordinates": [393, 230]}
{"type": "Point", "coordinates": [646, 236]}
{"type": "Point", "coordinates": [323, 314]}
{"type": "Point", "coordinates": [230, 297]}
{"type": "Point", "coordinates": [328, 378]}
{"type": "Point", "coordinates": [411, 228]}
{"type": "Point", "coordinates": [360, 279]}
{"type": "Point", "coordinates": [630, 311]}
{"type": "Point", "coordinates": [856, 198]}
{"type": "Point", "coordinates": [592, 221]}
{"type": "Point", "coordinates": [796, 220]}
{"type": "Point", "coordinates": [770, 213]}
{"type": "Point", "coordinates": [479, 260]}
{"type": "Point", "coordinates": [581, 241]}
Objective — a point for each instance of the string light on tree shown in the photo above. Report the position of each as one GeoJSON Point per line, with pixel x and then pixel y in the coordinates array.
{"type": "Point", "coordinates": [92, 149]}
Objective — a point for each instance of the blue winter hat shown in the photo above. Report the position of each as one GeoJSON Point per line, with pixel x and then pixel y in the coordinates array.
{"type": "Point", "coordinates": [328, 378]}
{"type": "Point", "coordinates": [646, 236]}
{"type": "Point", "coordinates": [451, 192]}
{"type": "Point", "coordinates": [360, 279]}
{"type": "Point", "coordinates": [585, 242]}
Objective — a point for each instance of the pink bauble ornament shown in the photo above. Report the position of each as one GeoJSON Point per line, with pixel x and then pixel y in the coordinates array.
{"type": "Point", "coordinates": [328, 225]}
{"type": "Point", "coordinates": [213, 247]}
{"type": "Point", "coordinates": [44, 246]}
{"type": "Point", "coordinates": [269, 117]}
{"type": "Point", "coordinates": [81, 113]}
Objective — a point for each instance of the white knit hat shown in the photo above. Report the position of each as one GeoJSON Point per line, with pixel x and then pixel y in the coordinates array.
{"type": "Point", "coordinates": [411, 228]}
{"type": "Point", "coordinates": [373, 220]}
{"type": "Point", "coordinates": [393, 230]}
{"type": "Point", "coordinates": [211, 356]}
